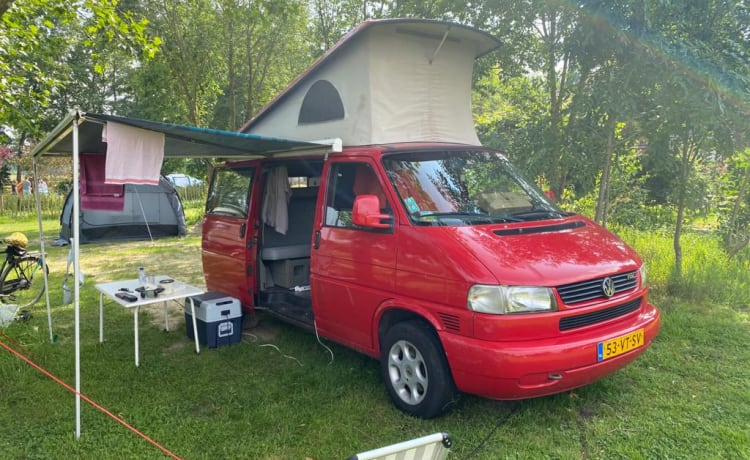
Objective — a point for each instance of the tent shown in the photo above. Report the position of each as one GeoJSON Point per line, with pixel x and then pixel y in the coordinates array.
{"type": "Point", "coordinates": [139, 212]}
{"type": "Point", "coordinates": [81, 132]}
{"type": "Point", "coordinates": [387, 81]}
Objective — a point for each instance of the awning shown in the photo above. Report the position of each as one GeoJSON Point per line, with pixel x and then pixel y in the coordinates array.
{"type": "Point", "coordinates": [81, 133]}
{"type": "Point", "coordinates": [180, 140]}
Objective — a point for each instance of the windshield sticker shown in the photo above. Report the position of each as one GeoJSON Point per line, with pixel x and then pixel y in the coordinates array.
{"type": "Point", "coordinates": [412, 205]}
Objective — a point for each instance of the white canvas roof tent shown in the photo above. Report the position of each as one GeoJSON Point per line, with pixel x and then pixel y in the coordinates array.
{"type": "Point", "coordinates": [81, 132]}
{"type": "Point", "coordinates": [387, 81]}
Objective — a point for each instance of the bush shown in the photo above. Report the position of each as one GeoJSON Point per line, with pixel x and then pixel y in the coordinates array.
{"type": "Point", "coordinates": [708, 274]}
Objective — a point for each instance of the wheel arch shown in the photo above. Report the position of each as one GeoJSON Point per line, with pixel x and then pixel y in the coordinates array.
{"type": "Point", "coordinates": [390, 315]}
{"type": "Point", "coordinates": [399, 329]}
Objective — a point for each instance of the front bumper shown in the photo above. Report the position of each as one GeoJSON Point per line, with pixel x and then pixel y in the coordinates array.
{"type": "Point", "coordinates": [532, 368]}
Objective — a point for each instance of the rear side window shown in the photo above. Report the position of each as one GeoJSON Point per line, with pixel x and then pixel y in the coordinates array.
{"type": "Point", "coordinates": [229, 192]}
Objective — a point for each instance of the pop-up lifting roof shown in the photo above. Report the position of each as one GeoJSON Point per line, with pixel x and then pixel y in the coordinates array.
{"type": "Point", "coordinates": [387, 81]}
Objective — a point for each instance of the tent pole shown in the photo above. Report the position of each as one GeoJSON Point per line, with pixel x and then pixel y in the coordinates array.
{"type": "Point", "coordinates": [41, 247]}
{"type": "Point", "coordinates": [76, 272]}
{"type": "Point", "coordinates": [143, 213]}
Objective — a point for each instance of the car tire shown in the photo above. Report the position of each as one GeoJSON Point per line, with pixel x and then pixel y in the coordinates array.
{"type": "Point", "coordinates": [415, 370]}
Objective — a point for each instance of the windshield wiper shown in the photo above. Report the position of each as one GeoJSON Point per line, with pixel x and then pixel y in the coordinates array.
{"type": "Point", "coordinates": [455, 214]}
{"type": "Point", "coordinates": [440, 218]}
{"type": "Point", "coordinates": [466, 217]}
{"type": "Point", "coordinates": [538, 214]}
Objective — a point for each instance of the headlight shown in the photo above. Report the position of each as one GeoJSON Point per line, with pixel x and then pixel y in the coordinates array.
{"type": "Point", "coordinates": [642, 271]}
{"type": "Point", "coordinates": [501, 300]}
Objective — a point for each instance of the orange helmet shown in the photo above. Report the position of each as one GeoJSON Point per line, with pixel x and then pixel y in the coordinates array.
{"type": "Point", "coordinates": [17, 239]}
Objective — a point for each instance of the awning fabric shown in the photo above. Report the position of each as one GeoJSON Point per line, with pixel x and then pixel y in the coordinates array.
{"type": "Point", "coordinates": [180, 140]}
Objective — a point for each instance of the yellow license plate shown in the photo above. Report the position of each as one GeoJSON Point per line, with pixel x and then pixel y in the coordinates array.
{"type": "Point", "coordinates": [619, 345]}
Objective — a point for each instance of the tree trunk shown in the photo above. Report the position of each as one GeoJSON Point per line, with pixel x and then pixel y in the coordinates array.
{"type": "Point", "coordinates": [681, 195]}
{"type": "Point", "coordinates": [603, 199]}
{"type": "Point", "coordinates": [19, 154]}
{"type": "Point", "coordinates": [734, 243]}
{"type": "Point", "coordinates": [231, 72]}
{"type": "Point", "coordinates": [250, 76]}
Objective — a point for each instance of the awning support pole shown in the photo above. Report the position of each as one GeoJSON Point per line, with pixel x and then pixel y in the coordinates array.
{"type": "Point", "coordinates": [41, 247]}
{"type": "Point", "coordinates": [77, 270]}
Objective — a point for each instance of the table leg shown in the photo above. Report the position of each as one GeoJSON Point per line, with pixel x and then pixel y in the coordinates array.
{"type": "Point", "coordinates": [136, 310]}
{"type": "Point", "coordinates": [195, 325]}
{"type": "Point", "coordinates": [166, 319]}
{"type": "Point", "coordinates": [101, 317]}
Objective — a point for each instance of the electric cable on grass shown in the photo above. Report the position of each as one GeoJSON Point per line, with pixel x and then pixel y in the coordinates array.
{"type": "Point", "coordinates": [315, 326]}
{"type": "Point", "coordinates": [494, 429]}
{"type": "Point", "coordinates": [282, 354]}
{"type": "Point", "coordinates": [88, 400]}
{"type": "Point", "coordinates": [255, 339]}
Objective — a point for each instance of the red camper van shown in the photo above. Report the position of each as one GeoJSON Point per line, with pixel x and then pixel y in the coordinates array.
{"type": "Point", "coordinates": [434, 256]}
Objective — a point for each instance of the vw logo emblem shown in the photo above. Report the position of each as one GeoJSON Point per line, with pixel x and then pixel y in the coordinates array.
{"type": "Point", "coordinates": [608, 287]}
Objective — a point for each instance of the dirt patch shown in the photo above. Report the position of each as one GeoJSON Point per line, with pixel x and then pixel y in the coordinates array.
{"type": "Point", "coordinates": [254, 329]}
{"type": "Point", "coordinates": [175, 346]}
{"type": "Point", "coordinates": [175, 315]}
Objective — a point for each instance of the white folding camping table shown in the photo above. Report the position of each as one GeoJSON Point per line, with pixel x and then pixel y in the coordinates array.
{"type": "Point", "coordinates": [434, 446]}
{"type": "Point", "coordinates": [176, 291]}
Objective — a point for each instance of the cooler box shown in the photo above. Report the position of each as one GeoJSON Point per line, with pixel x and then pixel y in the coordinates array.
{"type": "Point", "coordinates": [218, 317]}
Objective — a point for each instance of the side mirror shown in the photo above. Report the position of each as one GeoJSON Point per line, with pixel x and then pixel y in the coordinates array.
{"type": "Point", "coordinates": [366, 213]}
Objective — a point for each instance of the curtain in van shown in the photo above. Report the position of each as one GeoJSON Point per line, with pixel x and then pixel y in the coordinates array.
{"type": "Point", "coordinates": [276, 200]}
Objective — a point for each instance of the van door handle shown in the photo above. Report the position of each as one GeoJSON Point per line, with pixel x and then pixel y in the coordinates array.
{"type": "Point", "coordinates": [316, 244]}
{"type": "Point", "coordinates": [243, 227]}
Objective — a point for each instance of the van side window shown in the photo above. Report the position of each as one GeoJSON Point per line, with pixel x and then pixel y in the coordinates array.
{"type": "Point", "coordinates": [229, 191]}
{"type": "Point", "coordinates": [346, 181]}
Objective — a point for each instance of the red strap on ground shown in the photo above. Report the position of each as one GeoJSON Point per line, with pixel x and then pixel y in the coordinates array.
{"type": "Point", "coordinates": [85, 398]}
{"type": "Point", "coordinates": [15, 344]}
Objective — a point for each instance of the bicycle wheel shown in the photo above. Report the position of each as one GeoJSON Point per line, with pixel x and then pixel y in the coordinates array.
{"type": "Point", "coordinates": [23, 280]}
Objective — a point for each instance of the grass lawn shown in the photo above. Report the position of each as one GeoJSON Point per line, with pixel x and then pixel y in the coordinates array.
{"type": "Point", "coordinates": [280, 395]}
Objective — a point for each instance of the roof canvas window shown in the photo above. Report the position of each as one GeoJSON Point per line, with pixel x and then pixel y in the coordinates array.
{"type": "Point", "coordinates": [322, 103]}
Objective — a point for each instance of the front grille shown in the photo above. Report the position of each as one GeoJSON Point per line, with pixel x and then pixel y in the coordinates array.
{"type": "Point", "coordinates": [587, 319]}
{"type": "Point", "coordinates": [592, 289]}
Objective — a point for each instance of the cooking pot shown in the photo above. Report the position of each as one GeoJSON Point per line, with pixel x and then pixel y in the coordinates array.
{"type": "Point", "coordinates": [149, 292]}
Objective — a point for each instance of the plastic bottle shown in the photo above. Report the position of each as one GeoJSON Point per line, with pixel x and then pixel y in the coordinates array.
{"type": "Point", "coordinates": [141, 276]}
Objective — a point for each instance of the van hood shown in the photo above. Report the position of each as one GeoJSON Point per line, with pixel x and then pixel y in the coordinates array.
{"type": "Point", "coordinates": [547, 253]}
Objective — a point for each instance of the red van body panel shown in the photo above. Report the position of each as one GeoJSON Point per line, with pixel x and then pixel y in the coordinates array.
{"type": "Point", "coordinates": [362, 279]}
{"type": "Point", "coordinates": [546, 254]}
{"type": "Point", "coordinates": [229, 248]}
{"type": "Point", "coordinates": [527, 368]}
{"type": "Point", "coordinates": [226, 257]}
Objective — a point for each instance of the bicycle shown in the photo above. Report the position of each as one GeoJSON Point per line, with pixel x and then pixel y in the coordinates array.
{"type": "Point", "coordinates": [17, 273]}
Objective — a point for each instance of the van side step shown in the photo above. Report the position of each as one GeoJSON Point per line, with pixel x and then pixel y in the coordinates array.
{"type": "Point", "coordinates": [287, 305]}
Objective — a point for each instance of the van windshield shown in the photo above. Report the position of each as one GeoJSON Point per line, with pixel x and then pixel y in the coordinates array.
{"type": "Point", "coordinates": [457, 188]}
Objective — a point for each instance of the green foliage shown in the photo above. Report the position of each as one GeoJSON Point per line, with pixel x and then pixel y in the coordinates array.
{"type": "Point", "coordinates": [197, 168]}
{"type": "Point", "coordinates": [627, 198]}
{"type": "Point", "coordinates": [709, 275]}
{"type": "Point", "coordinates": [669, 77]}
{"type": "Point", "coordinates": [35, 34]}
{"type": "Point", "coordinates": [193, 200]}
{"type": "Point", "coordinates": [734, 209]}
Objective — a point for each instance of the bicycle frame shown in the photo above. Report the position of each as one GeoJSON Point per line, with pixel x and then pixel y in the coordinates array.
{"type": "Point", "coordinates": [18, 269]}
